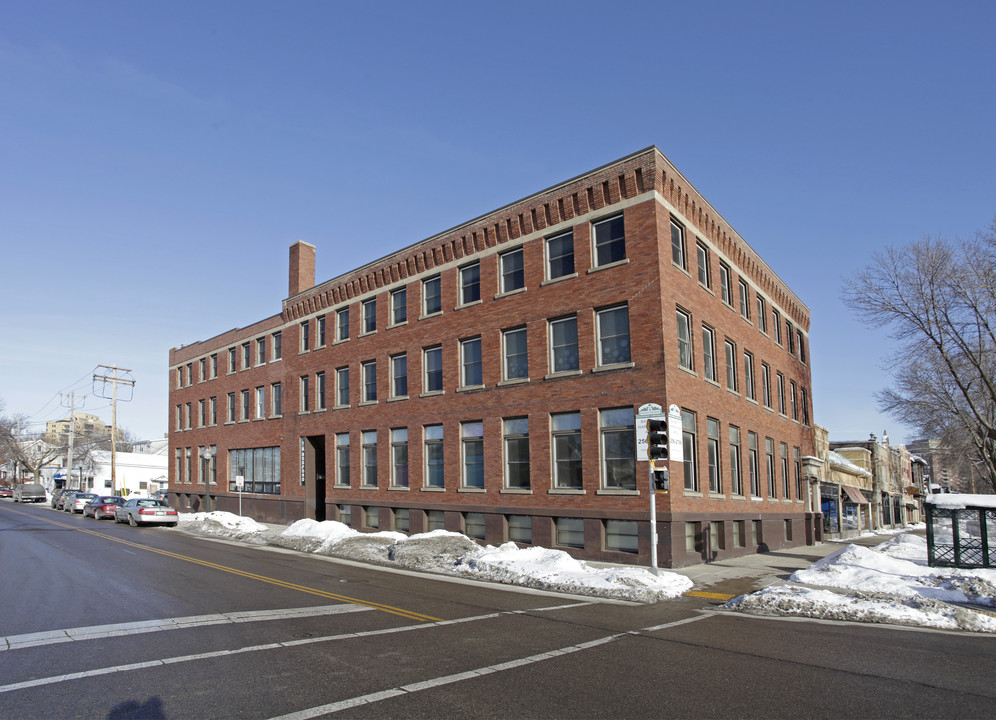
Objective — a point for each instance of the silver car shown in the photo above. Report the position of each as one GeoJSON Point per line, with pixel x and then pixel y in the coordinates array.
{"type": "Point", "coordinates": [75, 502]}
{"type": "Point", "coordinates": [146, 511]}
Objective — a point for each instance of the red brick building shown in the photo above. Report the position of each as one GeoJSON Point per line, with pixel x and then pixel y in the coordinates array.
{"type": "Point", "coordinates": [485, 380]}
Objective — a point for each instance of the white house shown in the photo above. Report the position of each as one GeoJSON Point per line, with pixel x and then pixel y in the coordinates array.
{"type": "Point", "coordinates": [135, 473]}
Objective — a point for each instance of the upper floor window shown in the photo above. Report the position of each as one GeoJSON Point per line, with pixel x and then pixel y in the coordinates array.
{"type": "Point", "coordinates": [709, 352]}
{"type": "Point", "coordinates": [276, 399]}
{"type": "Point", "coordinates": [776, 325]}
{"type": "Point", "coordinates": [261, 351]}
{"type": "Point", "coordinates": [744, 299]}
{"type": "Point", "coordinates": [305, 336]}
{"type": "Point", "coordinates": [342, 324]}
{"type": "Point", "coordinates": [613, 335]}
{"type": "Point", "coordinates": [790, 337]}
{"type": "Point", "coordinates": [678, 256]}
{"type": "Point", "coordinates": [472, 446]}
{"type": "Point", "coordinates": [370, 315]}
{"type": "Point", "coordinates": [512, 272]}
{"type": "Point", "coordinates": [246, 356]}
{"type": "Point", "coordinates": [618, 443]}
{"type": "Point", "coordinates": [514, 354]}
{"type": "Point", "coordinates": [610, 240]}
{"type": "Point", "coordinates": [705, 274]}
{"type": "Point", "coordinates": [433, 453]}
{"type": "Point", "coordinates": [762, 313]}
{"type": "Point", "coordinates": [725, 288]}
{"type": "Point", "coordinates": [399, 306]}
{"type": "Point", "coordinates": [565, 431]}
{"type": "Point", "coordinates": [516, 437]}
{"type": "Point", "coordinates": [781, 393]}
{"type": "Point", "coordinates": [369, 381]}
{"type": "Point", "coordinates": [432, 363]}
{"type": "Point", "coordinates": [689, 443]}
{"type": "Point", "coordinates": [731, 366]}
{"type": "Point", "coordinates": [202, 368]}
{"type": "Point", "coordinates": [564, 345]}
{"type": "Point", "coordinates": [320, 331]}
{"type": "Point", "coordinates": [471, 371]}
{"type": "Point", "coordinates": [320, 403]}
{"type": "Point", "coordinates": [232, 355]}
{"type": "Point", "coordinates": [684, 340]}
{"type": "Point", "coordinates": [214, 365]}
{"type": "Point", "coordinates": [712, 446]}
{"type": "Point", "coordinates": [305, 394]}
{"type": "Point", "coordinates": [342, 386]}
{"type": "Point", "coordinates": [277, 349]}
{"type": "Point", "coordinates": [802, 346]}
{"type": "Point", "coordinates": [766, 384]}
{"type": "Point", "coordinates": [470, 284]}
{"type": "Point", "coordinates": [432, 302]}
{"type": "Point", "coordinates": [749, 375]}
{"type": "Point", "coordinates": [560, 255]}
{"type": "Point", "coordinates": [399, 376]}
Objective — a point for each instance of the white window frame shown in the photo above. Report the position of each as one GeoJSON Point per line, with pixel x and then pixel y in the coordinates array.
{"type": "Point", "coordinates": [602, 339]}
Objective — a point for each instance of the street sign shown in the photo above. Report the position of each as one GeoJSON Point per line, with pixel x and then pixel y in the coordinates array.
{"type": "Point", "coordinates": [240, 482]}
{"type": "Point", "coordinates": [676, 451]}
{"type": "Point", "coordinates": [649, 411]}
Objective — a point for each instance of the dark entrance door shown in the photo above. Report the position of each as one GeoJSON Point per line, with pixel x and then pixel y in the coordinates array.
{"type": "Point", "coordinates": [314, 476]}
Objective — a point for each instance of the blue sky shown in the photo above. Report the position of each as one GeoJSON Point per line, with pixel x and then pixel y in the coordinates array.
{"type": "Point", "coordinates": [157, 159]}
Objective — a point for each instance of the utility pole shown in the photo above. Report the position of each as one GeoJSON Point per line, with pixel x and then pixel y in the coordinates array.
{"type": "Point", "coordinates": [72, 436]}
{"type": "Point", "coordinates": [112, 375]}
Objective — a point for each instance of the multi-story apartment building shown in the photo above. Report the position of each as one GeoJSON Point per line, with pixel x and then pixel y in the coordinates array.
{"type": "Point", "coordinates": [486, 380]}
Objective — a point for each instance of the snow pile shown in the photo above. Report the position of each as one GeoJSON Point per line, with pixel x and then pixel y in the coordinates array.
{"type": "Point", "coordinates": [450, 553]}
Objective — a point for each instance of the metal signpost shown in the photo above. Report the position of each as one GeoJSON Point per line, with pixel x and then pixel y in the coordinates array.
{"type": "Point", "coordinates": [652, 445]}
{"type": "Point", "coordinates": [240, 482]}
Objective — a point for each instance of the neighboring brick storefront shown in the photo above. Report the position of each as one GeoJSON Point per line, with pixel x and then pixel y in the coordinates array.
{"type": "Point", "coordinates": [531, 357]}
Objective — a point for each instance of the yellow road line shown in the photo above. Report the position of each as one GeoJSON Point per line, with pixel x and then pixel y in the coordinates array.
{"type": "Point", "coordinates": [252, 576]}
{"type": "Point", "coordinates": [709, 595]}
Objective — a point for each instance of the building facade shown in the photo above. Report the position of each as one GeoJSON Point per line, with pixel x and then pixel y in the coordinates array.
{"type": "Point", "coordinates": [486, 380]}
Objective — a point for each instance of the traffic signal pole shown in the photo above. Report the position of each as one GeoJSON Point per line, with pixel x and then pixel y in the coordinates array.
{"type": "Point", "coordinates": [653, 521]}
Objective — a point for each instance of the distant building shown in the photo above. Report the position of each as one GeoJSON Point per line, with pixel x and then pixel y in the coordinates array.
{"type": "Point", "coordinates": [87, 427]}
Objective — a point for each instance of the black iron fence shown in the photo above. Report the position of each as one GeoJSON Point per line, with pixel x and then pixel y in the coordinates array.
{"type": "Point", "coordinates": [961, 537]}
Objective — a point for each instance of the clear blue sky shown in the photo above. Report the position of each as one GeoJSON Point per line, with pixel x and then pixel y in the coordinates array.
{"type": "Point", "coordinates": [158, 158]}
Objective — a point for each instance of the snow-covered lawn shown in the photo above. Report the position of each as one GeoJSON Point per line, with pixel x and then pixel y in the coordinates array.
{"type": "Point", "coordinates": [890, 583]}
{"type": "Point", "coordinates": [450, 553]}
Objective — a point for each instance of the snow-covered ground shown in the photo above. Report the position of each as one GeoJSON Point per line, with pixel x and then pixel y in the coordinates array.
{"type": "Point", "coordinates": [890, 583]}
{"type": "Point", "coordinates": [450, 553]}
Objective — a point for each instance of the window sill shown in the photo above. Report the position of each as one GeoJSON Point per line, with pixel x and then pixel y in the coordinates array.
{"type": "Point", "coordinates": [617, 491]}
{"type": "Point", "coordinates": [707, 288]}
{"type": "Point", "coordinates": [399, 488]}
{"type": "Point", "coordinates": [754, 498]}
{"type": "Point", "coordinates": [717, 496]}
{"type": "Point", "coordinates": [752, 401]}
{"type": "Point", "coordinates": [304, 412]}
{"type": "Point", "coordinates": [471, 388]}
{"type": "Point", "coordinates": [513, 381]}
{"type": "Point", "coordinates": [340, 341]}
{"type": "Point", "coordinates": [558, 279]}
{"type": "Point", "coordinates": [692, 493]}
{"type": "Point", "coordinates": [432, 489]}
{"type": "Point", "coordinates": [688, 370]}
{"type": "Point", "coordinates": [339, 486]}
{"type": "Point", "coordinates": [275, 417]}
{"type": "Point", "coordinates": [567, 491]}
{"type": "Point", "coordinates": [369, 488]}
{"type": "Point", "coordinates": [737, 497]}
{"type": "Point", "coordinates": [607, 266]}
{"type": "Point", "coordinates": [682, 270]}
{"type": "Point", "coordinates": [430, 315]}
{"type": "Point", "coordinates": [470, 490]}
{"type": "Point", "coordinates": [365, 333]}
{"type": "Point", "coordinates": [614, 366]}
{"type": "Point", "coordinates": [563, 374]}
{"type": "Point", "coordinates": [733, 391]}
{"type": "Point", "coordinates": [515, 491]}
{"type": "Point", "coordinates": [508, 293]}
{"type": "Point", "coordinates": [432, 393]}
{"type": "Point", "coordinates": [712, 382]}
{"type": "Point", "coordinates": [472, 303]}
{"type": "Point", "coordinates": [367, 402]}
{"type": "Point", "coordinates": [397, 399]}
{"type": "Point", "coordinates": [397, 324]}
{"type": "Point", "coordinates": [340, 407]}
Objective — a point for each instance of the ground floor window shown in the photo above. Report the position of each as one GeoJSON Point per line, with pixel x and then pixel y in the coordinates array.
{"type": "Point", "coordinates": [435, 520]}
{"type": "Point", "coordinates": [621, 536]}
{"type": "Point", "coordinates": [402, 521]}
{"type": "Point", "coordinates": [371, 517]}
{"type": "Point", "coordinates": [260, 468]}
{"type": "Point", "coordinates": [756, 530]}
{"type": "Point", "coordinates": [473, 525]}
{"type": "Point", "coordinates": [345, 516]}
{"type": "Point", "coordinates": [740, 533]}
{"type": "Point", "coordinates": [520, 528]}
{"type": "Point", "coordinates": [570, 532]}
{"type": "Point", "coordinates": [691, 537]}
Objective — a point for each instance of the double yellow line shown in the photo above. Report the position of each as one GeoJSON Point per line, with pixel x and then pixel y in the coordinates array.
{"type": "Point", "coordinates": [252, 576]}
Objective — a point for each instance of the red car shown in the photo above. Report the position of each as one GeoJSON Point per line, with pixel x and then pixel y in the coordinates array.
{"type": "Point", "coordinates": [102, 506]}
{"type": "Point", "coordinates": [6, 492]}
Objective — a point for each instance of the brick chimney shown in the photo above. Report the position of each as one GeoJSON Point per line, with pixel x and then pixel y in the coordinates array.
{"type": "Point", "coordinates": [302, 267]}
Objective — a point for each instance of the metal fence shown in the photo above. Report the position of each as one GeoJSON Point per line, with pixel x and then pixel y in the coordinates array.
{"type": "Point", "coordinates": [961, 537]}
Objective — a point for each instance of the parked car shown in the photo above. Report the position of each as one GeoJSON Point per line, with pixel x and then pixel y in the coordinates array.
{"type": "Point", "coordinates": [102, 506]}
{"type": "Point", "coordinates": [74, 503]}
{"type": "Point", "coordinates": [6, 491]}
{"type": "Point", "coordinates": [29, 492]}
{"type": "Point", "coordinates": [146, 511]}
{"type": "Point", "coordinates": [58, 496]}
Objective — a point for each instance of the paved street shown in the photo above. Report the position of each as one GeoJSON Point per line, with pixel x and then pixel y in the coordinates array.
{"type": "Point", "coordinates": [107, 621]}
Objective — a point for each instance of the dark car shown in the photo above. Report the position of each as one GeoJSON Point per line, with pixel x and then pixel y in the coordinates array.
{"type": "Point", "coordinates": [6, 491]}
{"type": "Point", "coordinates": [146, 511]}
{"type": "Point", "coordinates": [29, 492]}
{"type": "Point", "coordinates": [102, 506]}
{"type": "Point", "coordinates": [58, 496]}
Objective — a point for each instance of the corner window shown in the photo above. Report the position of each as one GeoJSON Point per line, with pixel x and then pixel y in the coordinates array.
{"type": "Point", "coordinates": [613, 335]}
{"type": "Point", "coordinates": [512, 272]}
{"type": "Point", "coordinates": [560, 255]}
{"type": "Point", "coordinates": [514, 355]}
{"type": "Point", "coordinates": [618, 439]}
{"type": "Point", "coordinates": [432, 363]}
{"type": "Point", "coordinates": [471, 370]}
{"type": "Point", "coordinates": [678, 256]}
{"type": "Point", "coordinates": [564, 345]}
{"type": "Point", "coordinates": [684, 340]}
{"type": "Point", "coordinates": [470, 284]}
{"type": "Point", "coordinates": [565, 429]}
{"type": "Point", "coordinates": [432, 302]}
{"type": "Point", "coordinates": [472, 444]}
{"type": "Point", "coordinates": [610, 241]}
{"type": "Point", "coordinates": [433, 452]}
{"type": "Point", "coordinates": [370, 315]}
{"type": "Point", "coordinates": [516, 438]}
{"type": "Point", "coordinates": [399, 306]}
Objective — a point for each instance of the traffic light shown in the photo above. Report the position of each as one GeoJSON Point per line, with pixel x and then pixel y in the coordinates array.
{"type": "Point", "coordinates": [657, 439]}
{"type": "Point", "coordinates": [661, 480]}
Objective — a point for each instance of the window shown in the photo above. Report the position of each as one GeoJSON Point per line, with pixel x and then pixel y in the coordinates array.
{"type": "Point", "coordinates": [515, 360]}
{"type": "Point", "coordinates": [564, 345]}
{"type": "Point", "coordinates": [786, 489]}
{"type": "Point", "coordinates": [470, 284]}
{"type": "Point", "coordinates": [473, 525]}
{"type": "Point", "coordinates": [371, 517]}
{"type": "Point", "coordinates": [736, 479]}
{"type": "Point", "coordinates": [370, 315]}
{"type": "Point", "coordinates": [369, 370]}
{"type": "Point", "coordinates": [566, 442]}
{"type": "Point", "coordinates": [744, 300]}
{"type": "Point", "coordinates": [231, 408]}
{"type": "Point", "coordinates": [709, 352]}
{"type": "Point", "coordinates": [245, 405]}
{"type": "Point", "coordinates": [705, 274]}
{"type": "Point", "coordinates": [520, 528]}
{"type": "Point", "coordinates": [305, 336]}
{"type": "Point", "coordinates": [797, 466]}
{"type": "Point", "coordinates": [435, 520]}
{"type": "Point", "coordinates": [202, 369]}
{"type": "Point", "coordinates": [402, 520]}
{"type": "Point", "coordinates": [762, 314]}
{"type": "Point", "coordinates": [261, 351]}
{"type": "Point", "coordinates": [399, 457]}
{"type": "Point", "coordinates": [781, 393]}
{"type": "Point", "coordinates": [512, 273]}
{"type": "Point", "coordinates": [749, 375]}
{"type": "Point", "coordinates": [610, 241]}
{"type": "Point", "coordinates": [621, 536]}
{"type": "Point", "coordinates": [432, 362]}
{"type": "Point", "coordinates": [179, 377]}
{"type": "Point", "coordinates": [471, 371]}
{"type": "Point", "coordinates": [766, 384]}
{"type": "Point", "coordinates": [678, 245]}
{"type": "Point", "coordinates": [776, 325]}
{"type": "Point", "coordinates": [802, 346]}
{"type": "Point", "coordinates": [232, 354]}
{"type": "Point", "coordinates": [399, 306]}
{"type": "Point", "coordinates": [345, 515]}
{"type": "Point", "coordinates": [472, 448]}
{"type": "Point", "coordinates": [570, 532]}
{"type": "Point", "coordinates": [805, 407]}
{"type": "Point", "coordinates": [342, 386]}
{"type": "Point", "coordinates": [712, 445]}
{"type": "Point", "coordinates": [276, 402]}
{"type": "Point", "coordinates": [342, 325]}
{"type": "Point", "coordinates": [214, 365]}
{"type": "Point", "coordinates": [399, 376]}
{"type": "Point", "coordinates": [560, 255]}
{"type": "Point", "coordinates": [369, 450]}
{"type": "Point", "coordinates": [618, 448]}
{"type": "Point", "coordinates": [305, 394]}
{"type": "Point", "coordinates": [769, 465]}
{"type": "Point", "coordinates": [187, 413]}
{"type": "Point", "coordinates": [277, 345]}
{"type": "Point", "coordinates": [693, 537]}
{"type": "Point", "coordinates": [731, 366]}
{"type": "Point", "coordinates": [190, 373]}
{"type": "Point", "coordinates": [433, 453]}
{"type": "Point", "coordinates": [320, 391]}
{"type": "Point", "coordinates": [260, 403]}
{"type": "Point", "coordinates": [685, 340]}
{"type": "Point", "coordinates": [689, 445]}
{"type": "Point", "coordinates": [320, 331]}
{"type": "Point", "coordinates": [613, 335]}
{"type": "Point", "coordinates": [201, 414]}
{"type": "Point", "coordinates": [432, 302]}
{"type": "Point", "coordinates": [213, 411]}
{"type": "Point", "coordinates": [260, 468]}
{"type": "Point", "coordinates": [516, 437]}
{"type": "Point", "coordinates": [246, 356]}
{"type": "Point", "coordinates": [178, 465]}
{"type": "Point", "coordinates": [755, 480]}
{"type": "Point", "coordinates": [790, 337]}
{"type": "Point", "coordinates": [342, 459]}
{"type": "Point", "coordinates": [793, 400]}
{"type": "Point", "coordinates": [725, 289]}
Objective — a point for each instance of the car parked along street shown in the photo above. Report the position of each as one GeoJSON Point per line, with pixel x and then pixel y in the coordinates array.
{"type": "Point", "coordinates": [146, 511]}
{"type": "Point", "coordinates": [102, 506]}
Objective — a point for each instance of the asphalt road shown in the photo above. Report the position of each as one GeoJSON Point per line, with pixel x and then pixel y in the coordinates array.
{"type": "Point", "coordinates": [107, 621]}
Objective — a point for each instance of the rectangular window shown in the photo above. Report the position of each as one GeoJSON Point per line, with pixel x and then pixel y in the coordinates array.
{"type": "Point", "coordinates": [246, 356]}
{"type": "Point", "coordinates": [345, 515]}
{"type": "Point", "coordinates": [613, 335]}
{"type": "Point", "coordinates": [320, 391]}
{"type": "Point", "coordinates": [369, 370]}
{"type": "Point", "coordinates": [736, 479]}
{"type": "Point", "coordinates": [187, 413]}
{"type": "Point", "coordinates": [433, 452]}
{"type": "Point", "coordinates": [756, 529]}
{"type": "Point", "coordinates": [179, 417]}
{"type": "Point", "coordinates": [190, 373]}
{"type": "Point", "coordinates": [685, 340]}
{"type": "Point", "coordinates": [512, 273]}
{"type": "Point", "coordinates": [399, 376]}
{"type": "Point", "coordinates": [213, 411]}
{"type": "Point", "coordinates": [740, 533]}
{"type": "Point", "coordinates": [731, 366]}
{"type": "Point", "coordinates": [277, 345]}
{"type": "Point", "coordinates": [565, 438]}
{"type": "Point", "coordinates": [371, 517]}
{"type": "Point", "coordinates": [744, 300]}
{"type": "Point", "coordinates": [749, 375]}
{"type": "Point", "coordinates": [399, 457]}
{"type": "Point", "coordinates": [516, 437]}
{"type": "Point", "coordinates": [245, 405]}
{"type": "Point", "coordinates": [618, 448]}
{"type": "Point", "coordinates": [762, 314]}
{"type": "Point", "coordinates": [214, 365]}
{"type": "Point", "coordinates": [797, 467]}
{"type": "Point", "coordinates": [564, 345]}
{"type": "Point", "coordinates": [259, 467]}
{"type": "Point", "coordinates": [570, 532]}
{"type": "Point", "coordinates": [712, 435]}
{"type": "Point", "coordinates": [306, 336]}
{"type": "Point", "coordinates": [320, 331]}
{"type": "Point", "coordinates": [689, 447]}
{"type": "Point", "coordinates": [520, 528]}
{"type": "Point", "coordinates": [755, 480]}
{"type": "Point", "coordinates": [776, 325]}
{"type": "Point", "coordinates": [201, 414]}
{"type": "Point", "coordinates": [805, 407]}
{"type": "Point", "coordinates": [432, 301]}
{"type": "Point", "coordinates": [622, 536]}
{"type": "Point", "coordinates": [705, 274]}
{"type": "Point", "coordinates": [369, 450]}
{"type": "Point", "coordinates": [790, 337]}
{"type": "Point", "coordinates": [402, 520]}
{"type": "Point", "coordinates": [560, 255]}
{"type": "Point", "coordinates": [369, 315]}
{"type": "Point", "coordinates": [474, 525]}
{"type": "Point", "coordinates": [610, 241]}
{"type": "Point", "coordinates": [786, 489]}
{"type": "Point", "coordinates": [678, 245]}
{"type": "Point", "coordinates": [693, 539]}
{"type": "Point", "coordinates": [802, 346]}
{"type": "Point", "coordinates": [470, 284]}
{"type": "Point", "coordinates": [276, 401]}
{"type": "Point", "coordinates": [342, 386]}
{"type": "Point", "coordinates": [342, 325]}
{"type": "Point", "coordinates": [793, 400]}
{"type": "Point", "coordinates": [305, 386]}
{"type": "Point", "coordinates": [725, 287]}
{"type": "Point", "coordinates": [261, 351]}
{"type": "Point", "coordinates": [342, 459]}
{"type": "Point", "coordinates": [471, 369]}
{"type": "Point", "coordinates": [709, 352]}
{"type": "Point", "coordinates": [766, 384]}
{"type": "Point", "coordinates": [260, 403]}
{"type": "Point", "coordinates": [769, 465]}
{"type": "Point", "coordinates": [231, 407]}
{"type": "Point", "coordinates": [202, 369]}
{"type": "Point", "coordinates": [472, 448]}
{"type": "Point", "coordinates": [232, 354]}
{"type": "Point", "coordinates": [399, 306]}
{"type": "Point", "coordinates": [432, 363]}
{"type": "Point", "coordinates": [516, 359]}
{"type": "Point", "coordinates": [781, 393]}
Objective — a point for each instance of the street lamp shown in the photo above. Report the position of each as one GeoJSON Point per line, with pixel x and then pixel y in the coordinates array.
{"type": "Point", "coordinates": [208, 455]}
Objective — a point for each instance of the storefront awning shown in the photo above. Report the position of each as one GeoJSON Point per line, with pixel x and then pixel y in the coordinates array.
{"type": "Point", "coordinates": [855, 495]}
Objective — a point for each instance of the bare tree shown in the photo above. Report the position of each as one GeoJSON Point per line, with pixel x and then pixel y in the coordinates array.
{"type": "Point", "coordinates": [938, 300]}
{"type": "Point", "coordinates": [30, 451]}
